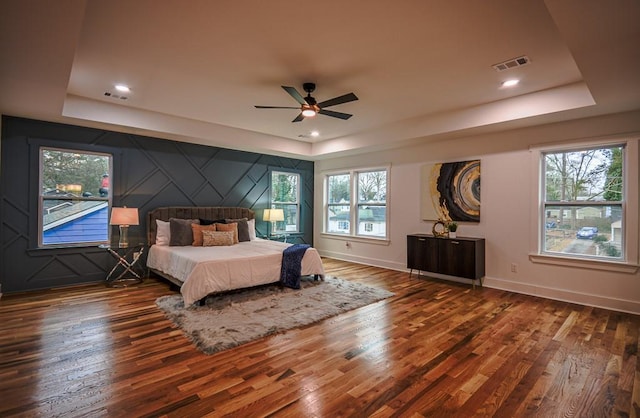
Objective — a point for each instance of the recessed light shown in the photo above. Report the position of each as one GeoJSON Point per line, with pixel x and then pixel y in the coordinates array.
{"type": "Point", "coordinates": [122, 88]}
{"type": "Point", "coordinates": [315, 134]}
{"type": "Point", "coordinates": [510, 83]}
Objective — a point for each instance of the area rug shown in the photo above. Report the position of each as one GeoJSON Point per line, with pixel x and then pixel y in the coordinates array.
{"type": "Point", "coordinates": [231, 319]}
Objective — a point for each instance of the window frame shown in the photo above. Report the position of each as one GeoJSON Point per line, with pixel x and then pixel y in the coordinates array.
{"type": "Point", "coordinates": [354, 204]}
{"type": "Point", "coordinates": [628, 262]}
{"type": "Point", "coordinates": [328, 205]}
{"type": "Point", "coordinates": [42, 198]}
{"type": "Point", "coordinates": [274, 204]}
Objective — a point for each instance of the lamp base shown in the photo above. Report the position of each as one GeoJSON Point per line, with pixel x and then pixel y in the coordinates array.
{"type": "Point", "coordinates": [124, 236]}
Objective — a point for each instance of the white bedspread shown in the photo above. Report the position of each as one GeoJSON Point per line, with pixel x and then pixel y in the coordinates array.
{"type": "Point", "coordinates": [205, 270]}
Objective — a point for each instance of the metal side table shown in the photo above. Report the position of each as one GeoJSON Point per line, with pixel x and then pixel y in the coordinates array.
{"type": "Point", "coordinates": [127, 271]}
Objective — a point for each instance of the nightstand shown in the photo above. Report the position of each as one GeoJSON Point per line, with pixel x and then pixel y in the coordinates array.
{"type": "Point", "coordinates": [278, 237]}
{"type": "Point", "coordinates": [126, 271]}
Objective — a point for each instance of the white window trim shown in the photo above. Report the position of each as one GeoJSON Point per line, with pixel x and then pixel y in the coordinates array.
{"type": "Point", "coordinates": [352, 235]}
{"type": "Point", "coordinates": [108, 201]}
{"type": "Point", "coordinates": [629, 264]}
{"type": "Point", "coordinates": [297, 203]}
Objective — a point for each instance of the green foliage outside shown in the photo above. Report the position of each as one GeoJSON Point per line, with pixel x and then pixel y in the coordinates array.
{"type": "Point", "coordinates": [339, 191]}
{"type": "Point", "coordinates": [64, 168]}
{"type": "Point", "coordinates": [284, 188]}
{"type": "Point", "coordinates": [613, 182]}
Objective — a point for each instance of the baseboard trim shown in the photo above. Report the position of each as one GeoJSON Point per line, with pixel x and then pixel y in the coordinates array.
{"type": "Point", "coordinates": [364, 260]}
{"type": "Point", "coordinates": [563, 295]}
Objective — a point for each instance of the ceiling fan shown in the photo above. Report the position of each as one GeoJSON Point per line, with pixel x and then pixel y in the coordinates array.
{"type": "Point", "coordinates": [308, 105]}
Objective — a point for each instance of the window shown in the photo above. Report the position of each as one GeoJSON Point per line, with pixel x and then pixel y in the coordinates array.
{"type": "Point", "coordinates": [338, 204]}
{"type": "Point", "coordinates": [357, 198]}
{"type": "Point", "coordinates": [285, 195]}
{"type": "Point", "coordinates": [372, 203]}
{"type": "Point", "coordinates": [583, 203]}
{"type": "Point", "coordinates": [74, 197]}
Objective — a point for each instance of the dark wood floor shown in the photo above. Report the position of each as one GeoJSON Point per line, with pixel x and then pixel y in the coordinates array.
{"type": "Point", "coordinates": [434, 349]}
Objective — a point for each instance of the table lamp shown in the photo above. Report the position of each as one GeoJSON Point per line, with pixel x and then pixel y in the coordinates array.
{"type": "Point", "coordinates": [273, 215]}
{"type": "Point", "coordinates": [123, 217]}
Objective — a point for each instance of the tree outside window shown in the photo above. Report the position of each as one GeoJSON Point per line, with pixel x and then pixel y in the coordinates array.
{"type": "Point", "coordinates": [74, 197]}
{"type": "Point", "coordinates": [583, 202]}
{"type": "Point", "coordinates": [338, 203]}
{"type": "Point", "coordinates": [372, 203]}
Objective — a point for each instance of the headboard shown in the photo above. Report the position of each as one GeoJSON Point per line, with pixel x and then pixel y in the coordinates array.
{"type": "Point", "coordinates": [193, 212]}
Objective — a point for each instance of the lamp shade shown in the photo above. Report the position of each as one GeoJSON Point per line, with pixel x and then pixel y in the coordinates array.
{"type": "Point", "coordinates": [273, 215]}
{"type": "Point", "coordinates": [124, 216]}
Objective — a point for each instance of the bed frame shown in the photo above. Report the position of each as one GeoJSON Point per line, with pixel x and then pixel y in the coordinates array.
{"type": "Point", "coordinates": [190, 212]}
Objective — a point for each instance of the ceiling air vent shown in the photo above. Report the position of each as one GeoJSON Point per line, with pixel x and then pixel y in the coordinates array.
{"type": "Point", "coordinates": [114, 96]}
{"type": "Point", "coordinates": [512, 63]}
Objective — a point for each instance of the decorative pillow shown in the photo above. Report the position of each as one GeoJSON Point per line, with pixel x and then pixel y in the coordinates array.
{"type": "Point", "coordinates": [197, 233]}
{"type": "Point", "coordinates": [243, 228]}
{"type": "Point", "coordinates": [209, 221]}
{"type": "Point", "coordinates": [163, 232]}
{"type": "Point", "coordinates": [251, 224]}
{"type": "Point", "coordinates": [181, 232]}
{"type": "Point", "coordinates": [217, 238]}
{"type": "Point", "coordinates": [229, 227]}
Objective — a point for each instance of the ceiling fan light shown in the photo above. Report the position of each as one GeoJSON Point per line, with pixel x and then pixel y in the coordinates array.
{"type": "Point", "coordinates": [308, 111]}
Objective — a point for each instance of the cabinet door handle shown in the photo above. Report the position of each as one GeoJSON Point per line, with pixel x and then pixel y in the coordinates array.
{"type": "Point", "coordinates": [422, 239]}
{"type": "Point", "coordinates": [455, 242]}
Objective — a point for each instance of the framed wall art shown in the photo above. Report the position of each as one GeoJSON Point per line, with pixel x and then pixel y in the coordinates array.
{"type": "Point", "coordinates": [451, 191]}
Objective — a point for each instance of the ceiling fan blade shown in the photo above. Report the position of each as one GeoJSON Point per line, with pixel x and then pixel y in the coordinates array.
{"type": "Point", "coordinates": [338, 115]}
{"type": "Point", "coordinates": [275, 107]}
{"type": "Point", "coordinates": [298, 118]}
{"type": "Point", "coordinates": [294, 93]}
{"type": "Point", "coordinates": [345, 98]}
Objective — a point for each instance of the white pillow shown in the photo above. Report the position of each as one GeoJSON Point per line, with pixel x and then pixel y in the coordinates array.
{"type": "Point", "coordinates": [163, 232]}
{"type": "Point", "coordinates": [252, 229]}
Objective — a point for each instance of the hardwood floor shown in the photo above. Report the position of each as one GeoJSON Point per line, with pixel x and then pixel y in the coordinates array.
{"type": "Point", "coordinates": [434, 349]}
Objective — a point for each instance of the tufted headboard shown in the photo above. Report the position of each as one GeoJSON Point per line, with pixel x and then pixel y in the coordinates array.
{"type": "Point", "coordinates": [193, 212]}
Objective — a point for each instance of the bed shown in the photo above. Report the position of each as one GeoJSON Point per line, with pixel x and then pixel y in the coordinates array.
{"type": "Point", "coordinates": [203, 270]}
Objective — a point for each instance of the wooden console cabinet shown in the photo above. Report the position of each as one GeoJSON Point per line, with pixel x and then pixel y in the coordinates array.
{"type": "Point", "coordinates": [460, 257]}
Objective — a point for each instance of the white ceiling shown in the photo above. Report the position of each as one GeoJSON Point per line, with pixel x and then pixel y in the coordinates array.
{"type": "Point", "coordinates": [422, 69]}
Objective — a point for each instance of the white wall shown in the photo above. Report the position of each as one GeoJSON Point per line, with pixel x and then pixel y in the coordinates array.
{"type": "Point", "coordinates": [508, 211]}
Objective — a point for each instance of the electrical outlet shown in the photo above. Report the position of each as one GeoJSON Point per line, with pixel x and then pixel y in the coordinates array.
{"type": "Point", "coordinates": [514, 268]}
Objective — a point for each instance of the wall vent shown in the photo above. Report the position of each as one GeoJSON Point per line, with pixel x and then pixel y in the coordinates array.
{"type": "Point", "coordinates": [512, 63]}
{"type": "Point", "coordinates": [115, 96]}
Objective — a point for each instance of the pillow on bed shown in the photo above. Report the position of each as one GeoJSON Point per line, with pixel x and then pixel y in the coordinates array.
{"type": "Point", "coordinates": [251, 224]}
{"type": "Point", "coordinates": [181, 232]}
{"type": "Point", "coordinates": [197, 233]}
{"type": "Point", "coordinates": [229, 227]}
{"type": "Point", "coordinates": [209, 221]}
{"type": "Point", "coordinates": [163, 233]}
{"type": "Point", "coordinates": [217, 238]}
{"type": "Point", "coordinates": [243, 228]}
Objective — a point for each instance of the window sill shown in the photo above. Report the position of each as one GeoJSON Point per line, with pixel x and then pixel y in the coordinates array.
{"type": "Point", "coordinates": [613, 266]}
{"type": "Point", "coordinates": [353, 238]}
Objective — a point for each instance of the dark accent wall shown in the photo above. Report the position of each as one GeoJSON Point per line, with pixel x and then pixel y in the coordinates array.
{"type": "Point", "coordinates": [147, 173]}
